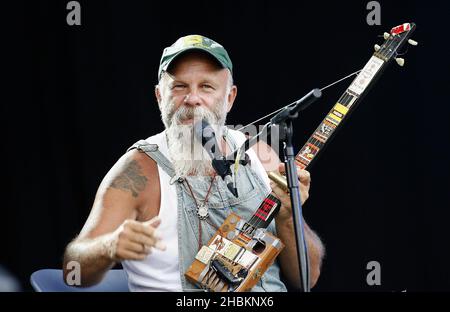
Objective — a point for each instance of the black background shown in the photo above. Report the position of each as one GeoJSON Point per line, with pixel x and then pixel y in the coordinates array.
{"type": "Point", "coordinates": [77, 96]}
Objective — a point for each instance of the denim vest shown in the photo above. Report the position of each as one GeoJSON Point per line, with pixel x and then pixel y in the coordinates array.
{"type": "Point", "coordinates": [221, 202]}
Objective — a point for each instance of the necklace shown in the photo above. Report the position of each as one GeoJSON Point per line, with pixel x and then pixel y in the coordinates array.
{"type": "Point", "coordinates": [202, 209]}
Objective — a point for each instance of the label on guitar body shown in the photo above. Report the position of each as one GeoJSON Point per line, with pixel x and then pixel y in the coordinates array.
{"type": "Point", "coordinates": [204, 255]}
{"type": "Point", "coordinates": [366, 75]}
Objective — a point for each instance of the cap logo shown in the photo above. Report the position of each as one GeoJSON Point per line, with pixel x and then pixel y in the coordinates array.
{"type": "Point", "coordinates": [195, 40]}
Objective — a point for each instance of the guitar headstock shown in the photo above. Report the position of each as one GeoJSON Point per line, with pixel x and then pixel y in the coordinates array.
{"type": "Point", "coordinates": [394, 40]}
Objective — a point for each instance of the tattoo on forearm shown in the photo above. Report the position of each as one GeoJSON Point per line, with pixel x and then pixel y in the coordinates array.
{"type": "Point", "coordinates": [131, 179]}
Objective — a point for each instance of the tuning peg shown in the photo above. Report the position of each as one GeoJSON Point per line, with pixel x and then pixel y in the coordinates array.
{"type": "Point", "coordinates": [377, 47]}
{"type": "Point", "coordinates": [400, 61]}
{"type": "Point", "coordinates": [412, 42]}
{"type": "Point", "coordinates": [386, 36]}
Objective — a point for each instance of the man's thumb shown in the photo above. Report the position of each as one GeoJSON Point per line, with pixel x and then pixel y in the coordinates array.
{"type": "Point", "coordinates": [155, 222]}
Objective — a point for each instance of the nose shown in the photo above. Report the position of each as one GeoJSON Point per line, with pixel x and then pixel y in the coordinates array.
{"type": "Point", "coordinates": [192, 99]}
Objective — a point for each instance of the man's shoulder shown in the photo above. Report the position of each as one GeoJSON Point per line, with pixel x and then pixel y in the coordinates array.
{"type": "Point", "coordinates": [238, 136]}
{"type": "Point", "coordinates": [261, 151]}
{"type": "Point", "coordinates": [134, 160]}
{"type": "Point", "coordinates": [138, 154]}
{"type": "Point", "coordinates": [267, 156]}
{"type": "Point", "coordinates": [144, 146]}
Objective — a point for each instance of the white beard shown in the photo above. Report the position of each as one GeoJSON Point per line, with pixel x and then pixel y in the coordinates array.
{"type": "Point", "coordinates": [186, 152]}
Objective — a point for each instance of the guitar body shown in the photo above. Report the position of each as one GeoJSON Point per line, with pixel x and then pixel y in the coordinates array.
{"type": "Point", "coordinates": [237, 255]}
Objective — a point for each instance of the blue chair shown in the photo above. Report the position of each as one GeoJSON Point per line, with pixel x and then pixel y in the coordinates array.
{"type": "Point", "coordinates": [51, 280]}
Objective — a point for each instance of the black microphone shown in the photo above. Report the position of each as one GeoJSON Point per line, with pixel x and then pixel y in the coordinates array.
{"type": "Point", "coordinates": [205, 134]}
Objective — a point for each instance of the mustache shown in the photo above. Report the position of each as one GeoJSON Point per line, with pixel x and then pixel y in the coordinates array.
{"type": "Point", "coordinates": [188, 112]}
{"type": "Point", "coordinates": [184, 113]}
{"type": "Point", "coordinates": [172, 115]}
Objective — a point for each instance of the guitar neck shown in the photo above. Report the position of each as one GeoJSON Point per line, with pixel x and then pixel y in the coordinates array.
{"type": "Point", "coordinates": [346, 103]}
{"type": "Point", "coordinates": [263, 215]}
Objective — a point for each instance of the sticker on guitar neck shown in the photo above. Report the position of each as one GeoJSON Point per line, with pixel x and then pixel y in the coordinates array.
{"type": "Point", "coordinates": [266, 208]}
{"type": "Point", "coordinates": [325, 129]}
{"type": "Point", "coordinates": [300, 162]}
{"type": "Point", "coordinates": [366, 75]}
{"type": "Point", "coordinates": [308, 152]}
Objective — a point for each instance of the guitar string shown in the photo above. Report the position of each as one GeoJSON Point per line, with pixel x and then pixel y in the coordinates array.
{"type": "Point", "coordinates": [341, 100]}
{"type": "Point", "coordinates": [387, 48]}
{"type": "Point", "coordinates": [346, 96]}
{"type": "Point", "coordinates": [292, 104]}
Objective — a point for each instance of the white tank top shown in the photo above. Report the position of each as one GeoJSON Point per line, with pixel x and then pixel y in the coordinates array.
{"type": "Point", "coordinates": [159, 271]}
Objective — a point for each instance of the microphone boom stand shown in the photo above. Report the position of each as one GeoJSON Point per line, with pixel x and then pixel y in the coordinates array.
{"type": "Point", "coordinates": [284, 120]}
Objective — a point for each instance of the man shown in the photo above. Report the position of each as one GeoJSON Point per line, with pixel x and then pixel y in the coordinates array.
{"type": "Point", "coordinates": [162, 200]}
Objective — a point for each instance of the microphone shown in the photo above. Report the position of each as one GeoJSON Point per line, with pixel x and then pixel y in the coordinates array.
{"type": "Point", "coordinates": [204, 132]}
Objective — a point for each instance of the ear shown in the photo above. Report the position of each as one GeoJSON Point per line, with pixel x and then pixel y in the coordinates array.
{"type": "Point", "coordinates": [158, 94]}
{"type": "Point", "coordinates": [231, 97]}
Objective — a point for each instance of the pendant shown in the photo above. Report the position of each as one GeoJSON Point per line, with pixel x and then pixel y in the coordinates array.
{"type": "Point", "coordinates": [202, 212]}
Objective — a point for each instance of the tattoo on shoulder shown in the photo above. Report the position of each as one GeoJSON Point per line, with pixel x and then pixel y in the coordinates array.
{"type": "Point", "coordinates": [131, 179]}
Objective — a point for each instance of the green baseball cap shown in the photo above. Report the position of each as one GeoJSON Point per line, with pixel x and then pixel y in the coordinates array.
{"type": "Point", "coordinates": [194, 42]}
